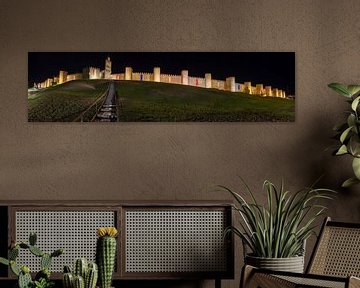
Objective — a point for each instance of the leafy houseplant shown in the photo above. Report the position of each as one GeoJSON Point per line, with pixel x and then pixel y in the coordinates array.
{"type": "Point", "coordinates": [42, 278]}
{"type": "Point", "coordinates": [279, 229]}
{"type": "Point", "coordinates": [349, 132]}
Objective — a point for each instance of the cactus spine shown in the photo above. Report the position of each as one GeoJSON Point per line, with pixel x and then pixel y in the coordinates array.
{"type": "Point", "coordinates": [106, 254]}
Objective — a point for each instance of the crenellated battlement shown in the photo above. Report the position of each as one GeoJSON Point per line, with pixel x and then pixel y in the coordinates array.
{"type": "Point", "coordinates": [207, 81]}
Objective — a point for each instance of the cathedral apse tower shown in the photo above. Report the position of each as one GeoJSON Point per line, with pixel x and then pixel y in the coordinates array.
{"type": "Point", "coordinates": [107, 68]}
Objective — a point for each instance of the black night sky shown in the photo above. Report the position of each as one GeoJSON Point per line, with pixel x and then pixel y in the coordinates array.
{"type": "Point", "coordinates": [269, 68]}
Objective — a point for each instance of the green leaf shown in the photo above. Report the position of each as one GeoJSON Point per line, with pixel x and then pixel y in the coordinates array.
{"type": "Point", "coordinates": [4, 261]}
{"type": "Point", "coordinates": [342, 150]}
{"type": "Point", "coordinates": [345, 134]}
{"type": "Point", "coordinates": [351, 120]}
{"type": "Point", "coordinates": [340, 88]}
{"type": "Point", "coordinates": [353, 89]}
{"type": "Point", "coordinates": [14, 268]}
{"type": "Point", "coordinates": [349, 182]}
{"type": "Point", "coordinates": [354, 145]}
{"type": "Point", "coordinates": [355, 103]}
{"type": "Point", "coordinates": [356, 167]}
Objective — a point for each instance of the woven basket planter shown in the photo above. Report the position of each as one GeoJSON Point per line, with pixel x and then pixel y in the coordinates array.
{"type": "Point", "coordinates": [291, 264]}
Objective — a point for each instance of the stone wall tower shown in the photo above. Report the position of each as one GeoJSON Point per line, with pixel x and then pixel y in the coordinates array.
{"type": "Point", "coordinates": [128, 73]}
{"type": "Point", "coordinates": [208, 80]}
{"type": "Point", "coordinates": [248, 88]}
{"type": "Point", "coordinates": [275, 92]}
{"type": "Point", "coordinates": [156, 74]}
{"type": "Point", "coordinates": [185, 77]}
{"type": "Point", "coordinates": [62, 77]}
{"type": "Point", "coordinates": [230, 84]}
{"type": "Point", "coordinates": [268, 91]}
{"type": "Point", "coordinates": [107, 68]}
{"type": "Point", "coordinates": [259, 89]}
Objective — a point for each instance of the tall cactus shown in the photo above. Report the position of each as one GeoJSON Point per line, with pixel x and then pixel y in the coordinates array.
{"type": "Point", "coordinates": [106, 254]}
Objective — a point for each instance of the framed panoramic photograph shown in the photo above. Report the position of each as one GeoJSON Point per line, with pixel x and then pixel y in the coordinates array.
{"type": "Point", "coordinates": [161, 86]}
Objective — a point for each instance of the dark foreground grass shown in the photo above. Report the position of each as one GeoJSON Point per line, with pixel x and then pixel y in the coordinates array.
{"type": "Point", "coordinates": [149, 101]}
{"type": "Point", "coordinates": [64, 102]}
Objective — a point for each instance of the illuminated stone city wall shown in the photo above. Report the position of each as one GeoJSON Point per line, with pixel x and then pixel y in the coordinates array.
{"type": "Point", "coordinates": [218, 84]}
{"type": "Point", "coordinates": [207, 81]}
{"type": "Point", "coordinates": [94, 73]}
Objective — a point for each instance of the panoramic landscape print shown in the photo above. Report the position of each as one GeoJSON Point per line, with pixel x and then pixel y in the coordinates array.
{"type": "Point", "coordinates": [161, 86]}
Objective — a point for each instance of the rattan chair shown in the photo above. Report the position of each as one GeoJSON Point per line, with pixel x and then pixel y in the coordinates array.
{"type": "Point", "coordinates": [334, 263]}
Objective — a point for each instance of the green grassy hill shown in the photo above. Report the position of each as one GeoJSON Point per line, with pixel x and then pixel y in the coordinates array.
{"type": "Point", "coordinates": [149, 101]}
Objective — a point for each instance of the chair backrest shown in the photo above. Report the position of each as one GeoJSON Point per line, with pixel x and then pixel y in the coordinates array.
{"type": "Point", "coordinates": [337, 251]}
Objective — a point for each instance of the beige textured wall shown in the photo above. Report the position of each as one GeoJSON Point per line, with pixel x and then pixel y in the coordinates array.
{"type": "Point", "coordinates": [177, 161]}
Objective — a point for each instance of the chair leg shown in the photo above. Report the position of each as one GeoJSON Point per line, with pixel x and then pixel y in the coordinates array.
{"type": "Point", "coordinates": [217, 283]}
{"type": "Point", "coordinates": [246, 274]}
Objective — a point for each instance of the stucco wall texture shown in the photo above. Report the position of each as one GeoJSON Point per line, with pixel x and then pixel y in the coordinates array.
{"type": "Point", "coordinates": [178, 161]}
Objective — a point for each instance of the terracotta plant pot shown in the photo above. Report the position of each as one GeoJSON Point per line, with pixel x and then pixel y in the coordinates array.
{"type": "Point", "coordinates": [291, 264]}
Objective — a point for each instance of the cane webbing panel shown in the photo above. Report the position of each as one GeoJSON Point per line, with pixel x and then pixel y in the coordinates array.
{"type": "Point", "coordinates": [313, 282]}
{"type": "Point", "coordinates": [338, 252]}
{"type": "Point", "coordinates": [175, 241]}
{"type": "Point", "coordinates": [75, 231]}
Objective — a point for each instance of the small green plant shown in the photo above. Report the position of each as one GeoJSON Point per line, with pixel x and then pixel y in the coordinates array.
{"type": "Point", "coordinates": [349, 131]}
{"type": "Point", "coordinates": [42, 278]}
{"type": "Point", "coordinates": [85, 275]}
{"type": "Point", "coordinates": [279, 229]}
{"type": "Point", "coordinates": [43, 283]}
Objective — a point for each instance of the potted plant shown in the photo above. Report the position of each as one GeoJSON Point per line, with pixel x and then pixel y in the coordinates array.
{"type": "Point", "coordinates": [349, 132]}
{"type": "Point", "coordinates": [276, 233]}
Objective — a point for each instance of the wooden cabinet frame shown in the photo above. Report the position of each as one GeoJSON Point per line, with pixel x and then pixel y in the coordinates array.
{"type": "Point", "coordinates": [120, 208]}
